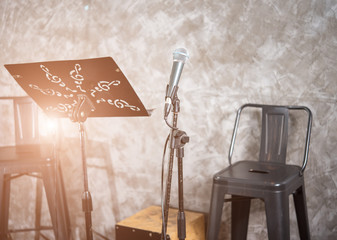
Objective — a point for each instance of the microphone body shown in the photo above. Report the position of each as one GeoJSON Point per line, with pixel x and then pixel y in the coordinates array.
{"type": "Point", "coordinates": [177, 69]}
{"type": "Point", "coordinates": [180, 56]}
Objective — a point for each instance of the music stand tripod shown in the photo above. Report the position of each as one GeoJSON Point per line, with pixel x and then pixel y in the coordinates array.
{"type": "Point", "coordinates": [178, 139]}
{"type": "Point", "coordinates": [77, 89]}
{"type": "Point", "coordinates": [80, 115]}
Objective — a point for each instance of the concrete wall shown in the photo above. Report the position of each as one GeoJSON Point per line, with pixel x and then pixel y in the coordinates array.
{"type": "Point", "coordinates": [275, 52]}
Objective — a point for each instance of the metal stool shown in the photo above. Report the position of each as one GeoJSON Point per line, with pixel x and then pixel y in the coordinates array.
{"type": "Point", "coordinates": [269, 179]}
{"type": "Point", "coordinates": [28, 157]}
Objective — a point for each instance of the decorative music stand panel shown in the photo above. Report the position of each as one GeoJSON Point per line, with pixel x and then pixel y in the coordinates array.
{"type": "Point", "coordinates": [56, 86]}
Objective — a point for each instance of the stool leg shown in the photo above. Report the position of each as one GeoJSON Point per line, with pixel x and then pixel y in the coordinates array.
{"type": "Point", "coordinates": [49, 187]}
{"type": "Point", "coordinates": [38, 206]}
{"type": "Point", "coordinates": [301, 213]}
{"type": "Point", "coordinates": [5, 198]}
{"type": "Point", "coordinates": [214, 220]}
{"type": "Point", "coordinates": [2, 210]}
{"type": "Point", "coordinates": [240, 217]}
{"type": "Point", "coordinates": [63, 202]}
{"type": "Point", "coordinates": [53, 198]}
{"type": "Point", "coordinates": [277, 213]}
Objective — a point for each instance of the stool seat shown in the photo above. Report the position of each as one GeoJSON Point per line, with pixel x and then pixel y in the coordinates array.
{"type": "Point", "coordinates": [269, 175]}
{"type": "Point", "coordinates": [13, 154]}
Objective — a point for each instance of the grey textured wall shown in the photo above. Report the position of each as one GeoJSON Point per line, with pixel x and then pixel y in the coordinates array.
{"type": "Point", "coordinates": [262, 51]}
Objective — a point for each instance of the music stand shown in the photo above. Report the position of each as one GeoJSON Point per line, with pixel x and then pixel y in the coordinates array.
{"type": "Point", "coordinates": [78, 89]}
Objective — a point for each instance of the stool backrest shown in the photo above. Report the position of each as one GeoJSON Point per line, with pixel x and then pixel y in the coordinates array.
{"type": "Point", "coordinates": [274, 135]}
{"type": "Point", "coordinates": [26, 121]}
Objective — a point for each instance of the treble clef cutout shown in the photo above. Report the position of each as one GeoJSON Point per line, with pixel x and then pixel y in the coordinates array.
{"type": "Point", "coordinates": [75, 74]}
{"type": "Point", "coordinates": [54, 79]}
{"type": "Point", "coordinates": [104, 86]}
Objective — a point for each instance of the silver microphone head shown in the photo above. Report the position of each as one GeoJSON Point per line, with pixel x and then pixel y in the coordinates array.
{"type": "Point", "coordinates": [180, 55]}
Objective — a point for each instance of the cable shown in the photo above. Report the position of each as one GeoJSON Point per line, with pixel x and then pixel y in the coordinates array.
{"type": "Point", "coordinates": [162, 187]}
{"type": "Point", "coordinates": [168, 124]}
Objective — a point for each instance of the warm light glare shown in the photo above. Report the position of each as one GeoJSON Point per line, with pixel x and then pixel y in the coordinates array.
{"type": "Point", "coordinates": [48, 126]}
{"type": "Point", "coordinates": [51, 126]}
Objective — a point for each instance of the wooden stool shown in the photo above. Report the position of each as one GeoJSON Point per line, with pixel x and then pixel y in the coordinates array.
{"type": "Point", "coordinates": [147, 225]}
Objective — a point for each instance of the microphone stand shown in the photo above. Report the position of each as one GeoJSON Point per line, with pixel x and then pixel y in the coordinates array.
{"type": "Point", "coordinates": [178, 140]}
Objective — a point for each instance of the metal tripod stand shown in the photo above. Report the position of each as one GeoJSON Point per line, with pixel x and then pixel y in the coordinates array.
{"type": "Point", "coordinates": [178, 139]}
{"type": "Point", "coordinates": [80, 115]}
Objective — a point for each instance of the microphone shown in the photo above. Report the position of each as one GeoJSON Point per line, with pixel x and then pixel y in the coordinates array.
{"type": "Point", "coordinates": [180, 56]}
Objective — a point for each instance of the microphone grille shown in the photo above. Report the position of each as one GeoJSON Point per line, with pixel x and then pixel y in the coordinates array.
{"type": "Point", "coordinates": [180, 55]}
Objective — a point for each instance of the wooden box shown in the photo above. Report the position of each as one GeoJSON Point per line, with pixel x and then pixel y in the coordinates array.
{"type": "Point", "coordinates": [147, 225]}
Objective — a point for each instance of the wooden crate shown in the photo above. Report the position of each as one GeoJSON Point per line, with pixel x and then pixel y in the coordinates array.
{"type": "Point", "coordinates": [147, 224]}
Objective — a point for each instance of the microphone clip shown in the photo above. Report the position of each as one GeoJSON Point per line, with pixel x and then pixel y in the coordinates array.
{"type": "Point", "coordinates": [171, 101]}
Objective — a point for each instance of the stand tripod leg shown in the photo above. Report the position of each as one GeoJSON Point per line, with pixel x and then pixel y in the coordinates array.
{"type": "Point", "coordinates": [168, 193]}
{"type": "Point", "coordinates": [86, 197]}
{"type": "Point", "coordinates": [169, 176]}
{"type": "Point", "coordinates": [181, 220]}
{"type": "Point", "coordinates": [87, 208]}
